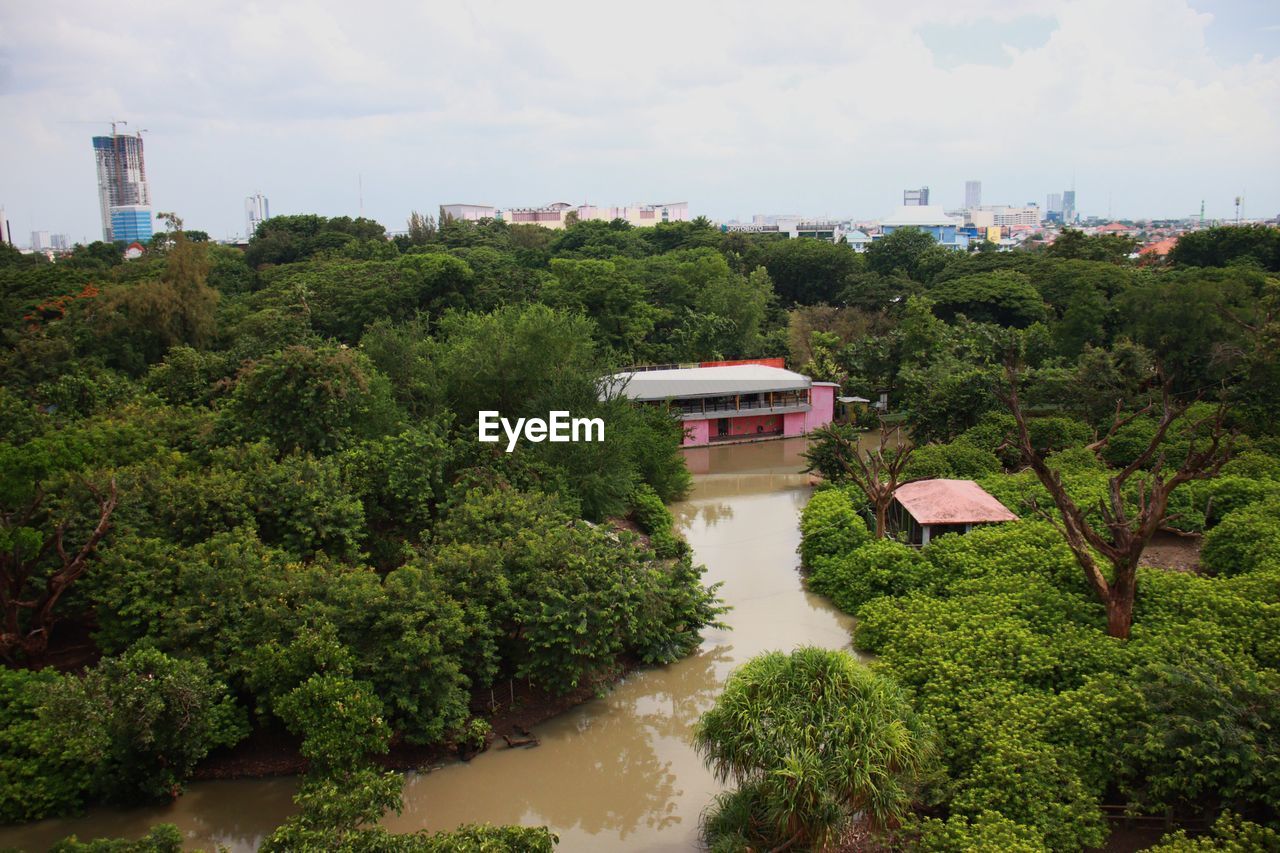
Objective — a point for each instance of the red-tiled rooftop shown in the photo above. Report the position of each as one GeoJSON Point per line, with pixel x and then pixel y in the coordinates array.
{"type": "Point", "coordinates": [951, 502]}
{"type": "Point", "coordinates": [1161, 248]}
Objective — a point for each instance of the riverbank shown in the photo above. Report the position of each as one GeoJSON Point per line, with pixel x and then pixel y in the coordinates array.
{"type": "Point", "coordinates": [513, 709]}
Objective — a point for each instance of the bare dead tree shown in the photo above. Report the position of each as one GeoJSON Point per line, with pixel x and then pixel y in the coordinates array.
{"type": "Point", "coordinates": [877, 473]}
{"type": "Point", "coordinates": [1125, 531]}
{"type": "Point", "coordinates": [18, 571]}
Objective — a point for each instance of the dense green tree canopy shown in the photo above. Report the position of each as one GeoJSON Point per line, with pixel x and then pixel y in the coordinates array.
{"type": "Point", "coordinates": [1228, 244]}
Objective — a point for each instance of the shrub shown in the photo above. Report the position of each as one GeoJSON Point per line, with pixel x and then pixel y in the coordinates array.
{"type": "Point", "coordinates": [811, 738]}
{"type": "Point", "coordinates": [1050, 435]}
{"type": "Point", "coordinates": [957, 460]}
{"type": "Point", "coordinates": [1011, 548]}
{"type": "Point", "coordinates": [881, 567]}
{"type": "Point", "coordinates": [34, 782]}
{"type": "Point", "coordinates": [1244, 540]}
{"type": "Point", "coordinates": [1223, 495]}
{"type": "Point", "coordinates": [830, 526]}
{"type": "Point", "coordinates": [652, 516]}
{"type": "Point", "coordinates": [163, 838]}
{"type": "Point", "coordinates": [988, 831]}
{"type": "Point", "coordinates": [310, 399]}
{"type": "Point", "coordinates": [1231, 834]}
{"type": "Point", "coordinates": [1208, 733]}
{"type": "Point", "coordinates": [562, 599]}
{"type": "Point", "coordinates": [340, 721]}
{"type": "Point", "coordinates": [140, 722]}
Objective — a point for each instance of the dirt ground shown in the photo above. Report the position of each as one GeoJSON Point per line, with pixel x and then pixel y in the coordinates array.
{"type": "Point", "coordinates": [1170, 551]}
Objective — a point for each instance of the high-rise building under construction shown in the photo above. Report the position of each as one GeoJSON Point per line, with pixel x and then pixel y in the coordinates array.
{"type": "Point", "coordinates": [123, 193]}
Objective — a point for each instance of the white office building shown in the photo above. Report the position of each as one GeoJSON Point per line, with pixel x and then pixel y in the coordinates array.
{"type": "Point", "coordinates": [972, 194]}
{"type": "Point", "coordinates": [257, 210]}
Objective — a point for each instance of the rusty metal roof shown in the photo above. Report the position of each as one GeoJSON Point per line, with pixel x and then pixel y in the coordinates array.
{"type": "Point", "coordinates": [951, 502]}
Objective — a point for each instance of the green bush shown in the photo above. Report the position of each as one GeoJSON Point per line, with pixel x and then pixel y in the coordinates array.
{"type": "Point", "coordinates": [303, 505]}
{"type": "Point", "coordinates": [318, 399]}
{"type": "Point", "coordinates": [1223, 495]}
{"type": "Point", "coordinates": [1234, 615]}
{"type": "Point", "coordinates": [988, 831]}
{"type": "Point", "coordinates": [830, 526]}
{"type": "Point", "coordinates": [812, 739]}
{"type": "Point", "coordinates": [163, 838]}
{"type": "Point", "coordinates": [1230, 834]}
{"type": "Point", "coordinates": [880, 567]}
{"type": "Point", "coordinates": [958, 460]}
{"type": "Point", "coordinates": [34, 781]}
{"type": "Point", "coordinates": [562, 599]}
{"type": "Point", "coordinates": [1032, 548]}
{"type": "Point", "coordinates": [139, 723]}
{"type": "Point", "coordinates": [1244, 540]}
{"type": "Point", "coordinates": [652, 516]}
{"type": "Point", "coordinates": [1208, 733]}
{"type": "Point", "coordinates": [339, 720]}
{"type": "Point", "coordinates": [1051, 435]}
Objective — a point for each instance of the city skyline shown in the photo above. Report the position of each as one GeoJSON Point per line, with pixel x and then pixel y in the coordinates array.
{"type": "Point", "coordinates": [1145, 109]}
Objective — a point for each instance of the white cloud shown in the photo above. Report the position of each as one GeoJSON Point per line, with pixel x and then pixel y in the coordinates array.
{"type": "Point", "coordinates": [739, 107]}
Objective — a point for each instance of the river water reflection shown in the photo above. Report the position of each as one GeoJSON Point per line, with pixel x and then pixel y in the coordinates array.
{"type": "Point", "coordinates": [616, 773]}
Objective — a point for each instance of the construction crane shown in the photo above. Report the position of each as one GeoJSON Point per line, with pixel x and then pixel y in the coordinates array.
{"type": "Point", "coordinates": [118, 171]}
{"type": "Point", "coordinates": [112, 122]}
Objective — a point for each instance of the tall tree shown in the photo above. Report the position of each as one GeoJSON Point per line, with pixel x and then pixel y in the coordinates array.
{"type": "Point", "coordinates": [878, 473]}
{"type": "Point", "coordinates": [1129, 517]}
{"type": "Point", "coordinates": [37, 569]}
{"type": "Point", "coordinates": [422, 229]}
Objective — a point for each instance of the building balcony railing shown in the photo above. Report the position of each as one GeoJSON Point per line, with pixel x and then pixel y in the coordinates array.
{"type": "Point", "coordinates": [742, 436]}
{"type": "Point", "coordinates": [756, 403]}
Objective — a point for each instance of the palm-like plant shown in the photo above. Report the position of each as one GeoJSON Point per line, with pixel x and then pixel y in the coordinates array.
{"type": "Point", "coordinates": [813, 739]}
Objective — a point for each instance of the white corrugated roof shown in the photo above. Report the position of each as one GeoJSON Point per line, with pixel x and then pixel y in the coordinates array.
{"type": "Point", "coordinates": [708, 381]}
{"type": "Point", "coordinates": [921, 215]}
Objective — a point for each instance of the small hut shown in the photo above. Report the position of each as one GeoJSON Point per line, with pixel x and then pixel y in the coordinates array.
{"type": "Point", "coordinates": [926, 509]}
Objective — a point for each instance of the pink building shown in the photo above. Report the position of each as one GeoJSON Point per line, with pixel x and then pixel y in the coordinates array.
{"type": "Point", "coordinates": [737, 402]}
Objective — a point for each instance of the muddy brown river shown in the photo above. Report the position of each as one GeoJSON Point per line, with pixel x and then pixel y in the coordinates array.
{"type": "Point", "coordinates": [616, 773]}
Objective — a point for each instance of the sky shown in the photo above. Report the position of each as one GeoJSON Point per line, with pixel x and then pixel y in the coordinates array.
{"type": "Point", "coordinates": [338, 108]}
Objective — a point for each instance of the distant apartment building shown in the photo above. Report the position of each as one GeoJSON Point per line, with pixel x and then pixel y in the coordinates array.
{"type": "Point", "coordinates": [791, 227]}
{"type": "Point", "coordinates": [1069, 214]}
{"type": "Point", "coordinates": [60, 242]}
{"type": "Point", "coordinates": [257, 210]}
{"type": "Point", "coordinates": [40, 241]}
{"type": "Point", "coordinates": [1053, 203]}
{"type": "Point", "coordinates": [916, 198]}
{"type": "Point", "coordinates": [972, 194]}
{"type": "Point", "coordinates": [469, 212]}
{"type": "Point", "coordinates": [857, 239]}
{"type": "Point", "coordinates": [931, 219]}
{"type": "Point", "coordinates": [122, 183]}
{"type": "Point", "coordinates": [1004, 216]}
{"type": "Point", "coordinates": [557, 215]}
